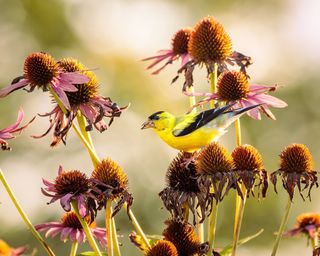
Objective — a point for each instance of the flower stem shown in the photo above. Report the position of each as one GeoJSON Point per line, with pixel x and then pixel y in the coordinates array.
{"type": "Point", "coordinates": [82, 124]}
{"type": "Point", "coordinates": [212, 226]}
{"type": "Point", "coordinates": [192, 99]}
{"type": "Point", "coordinates": [186, 212]}
{"type": "Point", "coordinates": [86, 229]}
{"type": "Point", "coordinates": [138, 228]}
{"type": "Point", "coordinates": [213, 77]}
{"type": "Point", "coordinates": [74, 248]}
{"type": "Point", "coordinates": [200, 226]}
{"type": "Point", "coordinates": [281, 228]}
{"type": "Point", "coordinates": [24, 216]}
{"type": "Point", "coordinates": [240, 202]}
{"type": "Point", "coordinates": [109, 227]}
{"type": "Point", "coordinates": [115, 239]}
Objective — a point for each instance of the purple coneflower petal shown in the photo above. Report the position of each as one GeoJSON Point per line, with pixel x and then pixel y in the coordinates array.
{"type": "Point", "coordinates": [52, 232]}
{"type": "Point", "coordinates": [63, 96]}
{"type": "Point", "coordinates": [185, 58]}
{"type": "Point", "coordinates": [74, 78]}
{"type": "Point", "coordinates": [82, 206]}
{"type": "Point", "coordinates": [88, 111]}
{"type": "Point", "coordinates": [270, 100]}
{"type": "Point", "coordinates": [65, 233]}
{"type": "Point", "coordinates": [65, 202]}
{"type": "Point", "coordinates": [12, 87]}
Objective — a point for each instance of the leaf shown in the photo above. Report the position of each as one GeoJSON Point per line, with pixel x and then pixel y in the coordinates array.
{"type": "Point", "coordinates": [228, 249]}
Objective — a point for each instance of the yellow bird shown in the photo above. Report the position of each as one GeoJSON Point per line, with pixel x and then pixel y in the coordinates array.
{"type": "Point", "coordinates": [193, 131]}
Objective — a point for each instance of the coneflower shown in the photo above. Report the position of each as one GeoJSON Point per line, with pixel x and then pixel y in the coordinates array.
{"type": "Point", "coordinates": [41, 70]}
{"type": "Point", "coordinates": [162, 248]}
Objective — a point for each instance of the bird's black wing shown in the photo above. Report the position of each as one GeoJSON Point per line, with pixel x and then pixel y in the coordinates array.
{"type": "Point", "coordinates": [201, 119]}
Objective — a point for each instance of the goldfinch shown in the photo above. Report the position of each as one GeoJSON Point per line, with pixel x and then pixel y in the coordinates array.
{"type": "Point", "coordinates": [193, 131]}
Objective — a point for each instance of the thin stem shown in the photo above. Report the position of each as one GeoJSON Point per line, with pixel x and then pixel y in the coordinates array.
{"type": "Point", "coordinates": [192, 99]}
{"type": "Point", "coordinates": [74, 248]}
{"type": "Point", "coordinates": [282, 226]}
{"type": "Point", "coordinates": [24, 216]}
{"type": "Point", "coordinates": [200, 226]}
{"type": "Point", "coordinates": [238, 131]}
{"type": "Point", "coordinates": [213, 77]}
{"type": "Point", "coordinates": [109, 227]}
{"type": "Point", "coordinates": [186, 212]}
{"type": "Point", "coordinates": [212, 226]}
{"type": "Point", "coordinates": [138, 228]}
{"type": "Point", "coordinates": [86, 229]}
{"type": "Point", "coordinates": [240, 204]}
{"type": "Point", "coordinates": [115, 239]}
{"type": "Point", "coordinates": [83, 124]}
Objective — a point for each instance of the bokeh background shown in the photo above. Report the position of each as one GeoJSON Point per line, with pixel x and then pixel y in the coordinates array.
{"type": "Point", "coordinates": [112, 37]}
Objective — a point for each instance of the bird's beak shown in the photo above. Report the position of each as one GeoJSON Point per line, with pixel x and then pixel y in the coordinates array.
{"type": "Point", "coordinates": [147, 124]}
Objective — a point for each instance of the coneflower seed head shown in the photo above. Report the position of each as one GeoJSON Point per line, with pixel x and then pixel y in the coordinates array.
{"type": "Point", "coordinates": [214, 158]}
{"type": "Point", "coordinates": [247, 157]}
{"type": "Point", "coordinates": [70, 219]}
{"type": "Point", "coordinates": [163, 248]}
{"type": "Point", "coordinates": [306, 219]}
{"type": "Point", "coordinates": [209, 41]}
{"type": "Point", "coordinates": [40, 69]}
{"type": "Point", "coordinates": [232, 85]}
{"type": "Point", "coordinates": [296, 158]}
{"type": "Point", "coordinates": [71, 182]}
{"type": "Point", "coordinates": [180, 41]}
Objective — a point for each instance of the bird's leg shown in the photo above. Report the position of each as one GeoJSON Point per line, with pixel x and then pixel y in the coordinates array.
{"type": "Point", "coordinates": [188, 158]}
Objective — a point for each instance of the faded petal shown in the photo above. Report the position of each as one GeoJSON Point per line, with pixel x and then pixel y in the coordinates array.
{"type": "Point", "coordinates": [74, 78]}
{"type": "Point", "coordinates": [65, 202]}
{"type": "Point", "coordinates": [270, 100]}
{"type": "Point", "coordinates": [13, 87]}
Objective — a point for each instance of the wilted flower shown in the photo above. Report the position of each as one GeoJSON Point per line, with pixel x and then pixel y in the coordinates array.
{"type": "Point", "coordinates": [234, 87]}
{"type": "Point", "coordinates": [84, 101]}
{"type": "Point", "coordinates": [69, 228]}
{"type": "Point", "coordinates": [68, 186]}
{"type": "Point", "coordinates": [296, 169]}
{"type": "Point", "coordinates": [183, 189]}
{"type": "Point", "coordinates": [41, 70]}
{"type": "Point", "coordinates": [184, 238]}
{"type": "Point", "coordinates": [6, 250]}
{"type": "Point", "coordinates": [214, 165]}
{"type": "Point", "coordinates": [179, 49]}
{"type": "Point", "coordinates": [7, 133]}
{"type": "Point", "coordinates": [306, 223]}
{"type": "Point", "coordinates": [111, 183]}
{"type": "Point", "coordinates": [249, 167]}
{"type": "Point", "coordinates": [162, 248]}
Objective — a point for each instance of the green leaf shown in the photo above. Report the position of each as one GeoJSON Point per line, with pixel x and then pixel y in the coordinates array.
{"type": "Point", "coordinates": [228, 249]}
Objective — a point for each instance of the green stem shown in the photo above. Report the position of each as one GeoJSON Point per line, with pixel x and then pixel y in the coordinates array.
{"type": "Point", "coordinates": [212, 226]}
{"type": "Point", "coordinates": [138, 228]}
{"type": "Point", "coordinates": [192, 99]}
{"type": "Point", "coordinates": [109, 227]}
{"type": "Point", "coordinates": [74, 248]}
{"type": "Point", "coordinates": [86, 229]}
{"type": "Point", "coordinates": [24, 216]}
{"type": "Point", "coordinates": [186, 212]}
{"type": "Point", "coordinates": [240, 204]}
{"type": "Point", "coordinates": [200, 226]}
{"type": "Point", "coordinates": [213, 77]}
{"type": "Point", "coordinates": [83, 124]}
{"type": "Point", "coordinates": [115, 239]}
{"type": "Point", "coordinates": [281, 229]}
{"type": "Point", "coordinates": [238, 131]}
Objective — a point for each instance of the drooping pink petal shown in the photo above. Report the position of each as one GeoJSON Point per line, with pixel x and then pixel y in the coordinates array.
{"type": "Point", "coordinates": [184, 59]}
{"type": "Point", "coordinates": [256, 88]}
{"type": "Point", "coordinates": [47, 225]}
{"type": "Point", "coordinates": [63, 97]}
{"type": "Point", "coordinates": [65, 202]}
{"type": "Point", "coordinates": [74, 78]}
{"type": "Point", "coordinates": [14, 126]}
{"type": "Point", "coordinates": [12, 87]}
{"type": "Point", "coordinates": [81, 236]}
{"type": "Point", "coordinates": [82, 206]}
{"type": "Point", "coordinates": [254, 113]}
{"type": "Point", "coordinates": [270, 100]}
{"type": "Point", "coordinates": [162, 53]}
{"type": "Point", "coordinates": [65, 233]}
{"type": "Point", "coordinates": [268, 112]}
{"type": "Point", "coordinates": [52, 232]}
{"type": "Point", "coordinates": [49, 184]}
{"type": "Point", "coordinates": [88, 112]}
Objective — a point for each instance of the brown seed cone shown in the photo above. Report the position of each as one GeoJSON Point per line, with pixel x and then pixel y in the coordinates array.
{"type": "Point", "coordinates": [247, 157]}
{"type": "Point", "coordinates": [306, 219]}
{"type": "Point", "coordinates": [70, 219]}
{"type": "Point", "coordinates": [163, 248]}
{"type": "Point", "coordinates": [209, 42]}
{"type": "Point", "coordinates": [232, 86]}
{"type": "Point", "coordinates": [180, 41]}
{"type": "Point", "coordinates": [71, 182]}
{"type": "Point", "coordinates": [214, 158]}
{"type": "Point", "coordinates": [40, 69]}
{"type": "Point", "coordinates": [296, 158]}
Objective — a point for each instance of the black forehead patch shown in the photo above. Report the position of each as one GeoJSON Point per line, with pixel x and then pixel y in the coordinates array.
{"type": "Point", "coordinates": [155, 116]}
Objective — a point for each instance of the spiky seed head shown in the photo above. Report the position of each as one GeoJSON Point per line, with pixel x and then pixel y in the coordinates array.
{"type": "Point", "coordinates": [85, 91]}
{"type": "Point", "coordinates": [214, 158]}
{"type": "Point", "coordinates": [70, 220]}
{"type": "Point", "coordinates": [74, 182]}
{"type": "Point", "coordinates": [111, 174]}
{"type": "Point", "coordinates": [209, 41]}
{"type": "Point", "coordinates": [40, 69]}
{"type": "Point", "coordinates": [163, 248]}
{"type": "Point", "coordinates": [180, 41]}
{"type": "Point", "coordinates": [232, 85]}
{"type": "Point", "coordinates": [296, 158]}
{"type": "Point", "coordinates": [182, 177]}
{"type": "Point", "coordinates": [306, 219]}
{"type": "Point", "coordinates": [247, 157]}
{"type": "Point", "coordinates": [183, 236]}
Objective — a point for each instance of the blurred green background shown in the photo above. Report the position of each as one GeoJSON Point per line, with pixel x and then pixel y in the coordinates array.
{"type": "Point", "coordinates": [112, 37]}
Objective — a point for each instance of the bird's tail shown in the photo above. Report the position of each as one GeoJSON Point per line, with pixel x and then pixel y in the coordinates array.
{"type": "Point", "coordinates": [240, 111]}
